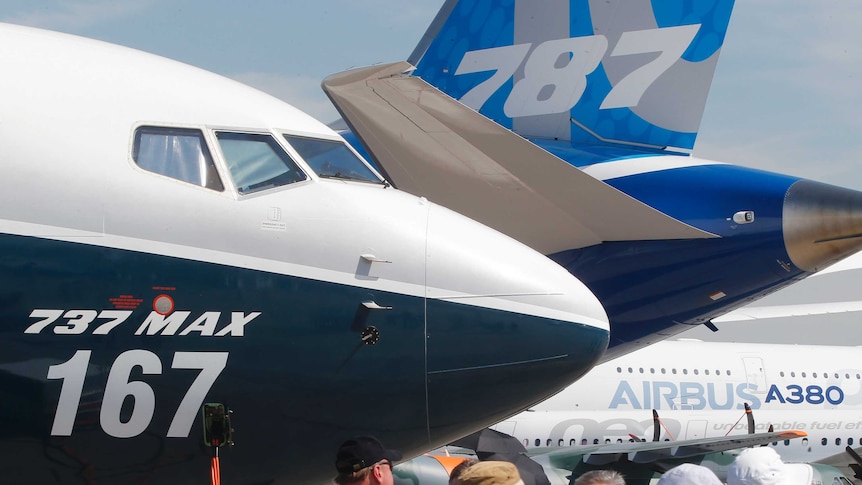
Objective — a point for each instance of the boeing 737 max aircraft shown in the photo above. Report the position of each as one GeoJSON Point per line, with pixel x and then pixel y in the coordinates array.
{"type": "Point", "coordinates": [568, 125]}
{"type": "Point", "coordinates": [175, 246]}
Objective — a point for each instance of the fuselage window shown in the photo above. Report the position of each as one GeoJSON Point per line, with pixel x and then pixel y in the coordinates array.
{"type": "Point", "coordinates": [837, 441]}
{"type": "Point", "coordinates": [781, 373]}
{"type": "Point", "coordinates": [663, 371]}
{"type": "Point", "coordinates": [706, 372]}
{"type": "Point", "coordinates": [332, 159]}
{"type": "Point", "coordinates": [619, 370]}
{"type": "Point", "coordinates": [256, 162]}
{"type": "Point", "coordinates": [793, 374]}
{"type": "Point", "coordinates": [786, 442]}
{"type": "Point", "coordinates": [685, 371]}
{"type": "Point", "coordinates": [538, 442]}
{"type": "Point", "coordinates": [178, 153]}
{"type": "Point", "coordinates": [814, 375]}
{"type": "Point", "coordinates": [850, 441]}
{"type": "Point", "coordinates": [823, 441]}
{"type": "Point", "coordinates": [803, 375]}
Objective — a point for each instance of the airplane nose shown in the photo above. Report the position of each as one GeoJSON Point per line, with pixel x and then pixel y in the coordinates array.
{"type": "Point", "coordinates": [822, 224]}
{"type": "Point", "coordinates": [506, 326]}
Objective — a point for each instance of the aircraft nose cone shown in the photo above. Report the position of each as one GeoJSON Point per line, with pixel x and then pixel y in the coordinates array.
{"type": "Point", "coordinates": [822, 224]}
{"type": "Point", "coordinates": [506, 327]}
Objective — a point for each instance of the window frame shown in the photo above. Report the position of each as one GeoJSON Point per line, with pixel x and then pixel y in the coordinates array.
{"type": "Point", "coordinates": [173, 129]}
{"type": "Point", "coordinates": [275, 136]}
{"type": "Point", "coordinates": [284, 134]}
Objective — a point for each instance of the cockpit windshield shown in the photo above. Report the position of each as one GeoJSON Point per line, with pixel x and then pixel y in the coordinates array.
{"type": "Point", "coordinates": [332, 159]}
{"type": "Point", "coordinates": [257, 162]}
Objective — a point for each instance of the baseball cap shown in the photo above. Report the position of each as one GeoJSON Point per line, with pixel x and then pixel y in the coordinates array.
{"type": "Point", "coordinates": [763, 466]}
{"type": "Point", "coordinates": [362, 452]}
{"type": "Point", "coordinates": [490, 473]}
{"type": "Point", "coordinates": [689, 473]}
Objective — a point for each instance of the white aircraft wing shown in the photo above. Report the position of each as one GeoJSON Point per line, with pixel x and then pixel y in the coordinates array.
{"type": "Point", "coordinates": [652, 451]}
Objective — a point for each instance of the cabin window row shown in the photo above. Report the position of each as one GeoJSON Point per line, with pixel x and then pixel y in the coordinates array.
{"type": "Point", "coordinates": [673, 371]}
{"type": "Point", "coordinates": [825, 375]}
{"type": "Point", "coordinates": [719, 372]}
{"type": "Point", "coordinates": [596, 441]}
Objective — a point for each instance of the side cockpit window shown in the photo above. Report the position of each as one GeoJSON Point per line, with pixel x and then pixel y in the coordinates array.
{"type": "Point", "coordinates": [257, 162]}
{"type": "Point", "coordinates": [332, 159]}
{"type": "Point", "coordinates": [178, 153]}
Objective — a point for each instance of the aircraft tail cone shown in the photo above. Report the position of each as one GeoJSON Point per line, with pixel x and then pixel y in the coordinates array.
{"type": "Point", "coordinates": [822, 224]}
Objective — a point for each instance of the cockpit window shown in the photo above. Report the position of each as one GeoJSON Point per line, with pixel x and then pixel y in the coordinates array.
{"type": "Point", "coordinates": [178, 153]}
{"type": "Point", "coordinates": [332, 159]}
{"type": "Point", "coordinates": [256, 162]}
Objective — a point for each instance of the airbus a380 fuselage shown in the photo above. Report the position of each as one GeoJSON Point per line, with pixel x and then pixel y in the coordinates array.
{"type": "Point", "coordinates": [175, 246]}
{"type": "Point", "coordinates": [713, 376]}
{"type": "Point", "coordinates": [828, 433]}
{"type": "Point", "coordinates": [699, 390]}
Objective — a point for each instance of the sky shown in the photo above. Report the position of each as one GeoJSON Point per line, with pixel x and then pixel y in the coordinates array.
{"type": "Point", "coordinates": [786, 97]}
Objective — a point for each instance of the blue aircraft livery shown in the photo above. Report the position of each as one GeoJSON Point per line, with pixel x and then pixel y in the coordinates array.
{"type": "Point", "coordinates": [665, 240]}
{"type": "Point", "coordinates": [582, 70]}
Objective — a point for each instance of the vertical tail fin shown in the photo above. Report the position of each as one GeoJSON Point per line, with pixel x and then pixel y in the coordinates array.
{"type": "Point", "coordinates": [589, 71]}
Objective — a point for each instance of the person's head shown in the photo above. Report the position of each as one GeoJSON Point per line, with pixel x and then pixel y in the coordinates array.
{"type": "Point", "coordinates": [490, 473]}
{"type": "Point", "coordinates": [689, 473]}
{"type": "Point", "coordinates": [763, 466]}
{"type": "Point", "coordinates": [601, 477]}
{"type": "Point", "coordinates": [459, 469]}
{"type": "Point", "coordinates": [364, 460]}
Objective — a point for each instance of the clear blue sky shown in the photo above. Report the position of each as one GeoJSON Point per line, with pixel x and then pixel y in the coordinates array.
{"type": "Point", "coordinates": [786, 97]}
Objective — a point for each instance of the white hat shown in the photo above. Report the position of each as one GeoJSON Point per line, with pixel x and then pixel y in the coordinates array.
{"type": "Point", "coordinates": [763, 466]}
{"type": "Point", "coordinates": [689, 473]}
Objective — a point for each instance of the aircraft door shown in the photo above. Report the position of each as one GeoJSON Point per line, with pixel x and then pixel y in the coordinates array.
{"type": "Point", "coordinates": [695, 429]}
{"type": "Point", "coordinates": [755, 375]}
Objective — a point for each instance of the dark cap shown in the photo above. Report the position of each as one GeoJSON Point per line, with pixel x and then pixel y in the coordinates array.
{"type": "Point", "coordinates": [362, 452]}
